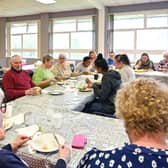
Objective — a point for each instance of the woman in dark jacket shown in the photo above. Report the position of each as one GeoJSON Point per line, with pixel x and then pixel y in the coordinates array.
{"type": "Point", "coordinates": [104, 94]}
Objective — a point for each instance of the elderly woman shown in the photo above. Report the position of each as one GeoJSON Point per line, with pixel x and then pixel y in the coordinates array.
{"type": "Point", "coordinates": [144, 63]}
{"type": "Point", "coordinates": [143, 106]}
{"type": "Point", "coordinates": [61, 69]}
{"type": "Point", "coordinates": [163, 64]}
{"type": "Point", "coordinates": [42, 76]}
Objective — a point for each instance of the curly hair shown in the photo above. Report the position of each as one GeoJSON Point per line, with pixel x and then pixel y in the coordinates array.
{"type": "Point", "coordinates": [143, 105]}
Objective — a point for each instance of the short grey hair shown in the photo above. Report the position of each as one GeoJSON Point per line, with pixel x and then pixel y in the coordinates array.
{"type": "Point", "coordinates": [15, 56]}
{"type": "Point", "coordinates": [62, 56]}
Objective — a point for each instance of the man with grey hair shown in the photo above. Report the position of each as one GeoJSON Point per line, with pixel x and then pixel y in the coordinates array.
{"type": "Point", "coordinates": [17, 82]}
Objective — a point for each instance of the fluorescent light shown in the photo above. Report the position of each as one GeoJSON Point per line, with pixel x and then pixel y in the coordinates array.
{"type": "Point", "coordinates": [47, 1]}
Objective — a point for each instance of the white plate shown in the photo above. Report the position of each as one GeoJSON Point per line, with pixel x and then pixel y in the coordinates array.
{"type": "Point", "coordinates": [46, 142]}
{"type": "Point", "coordinates": [7, 124]}
{"type": "Point", "coordinates": [56, 92]}
{"type": "Point", "coordinates": [60, 83]}
{"type": "Point", "coordinates": [86, 90]}
{"type": "Point", "coordinates": [73, 78]}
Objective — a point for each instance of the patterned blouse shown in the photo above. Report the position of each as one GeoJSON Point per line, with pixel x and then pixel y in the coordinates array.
{"type": "Point", "coordinates": [128, 156]}
{"type": "Point", "coordinates": [163, 65]}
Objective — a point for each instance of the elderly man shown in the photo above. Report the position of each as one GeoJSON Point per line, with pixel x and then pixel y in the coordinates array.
{"type": "Point", "coordinates": [17, 82]}
{"type": "Point", "coordinates": [163, 64]}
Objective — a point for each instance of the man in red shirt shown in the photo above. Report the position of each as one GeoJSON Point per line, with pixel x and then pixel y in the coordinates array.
{"type": "Point", "coordinates": [17, 82]}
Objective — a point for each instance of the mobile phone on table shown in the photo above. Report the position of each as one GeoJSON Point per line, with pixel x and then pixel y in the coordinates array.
{"type": "Point", "coordinates": [79, 141]}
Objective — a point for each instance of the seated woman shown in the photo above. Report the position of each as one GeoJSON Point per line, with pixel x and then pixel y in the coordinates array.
{"type": "Point", "coordinates": [143, 106]}
{"type": "Point", "coordinates": [42, 76]}
{"type": "Point", "coordinates": [92, 56]}
{"type": "Point", "coordinates": [122, 63]}
{"type": "Point", "coordinates": [104, 95]}
{"type": "Point", "coordinates": [144, 63]}
{"type": "Point", "coordinates": [61, 69]}
{"type": "Point", "coordinates": [163, 64]}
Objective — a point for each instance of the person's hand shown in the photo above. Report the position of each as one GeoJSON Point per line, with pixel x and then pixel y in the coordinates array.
{"type": "Point", "coordinates": [89, 83]}
{"type": "Point", "coordinates": [53, 79]}
{"type": "Point", "coordinates": [30, 91]}
{"type": "Point", "coordinates": [19, 141]}
{"type": "Point", "coordinates": [2, 133]}
{"type": "Point", "coordinates": [64, 153]}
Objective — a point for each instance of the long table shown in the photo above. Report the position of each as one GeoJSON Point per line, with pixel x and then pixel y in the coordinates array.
{"type": "Point", "coordinates": [161, 76]}
{"type": "Point", "coordinates": [101, 132]}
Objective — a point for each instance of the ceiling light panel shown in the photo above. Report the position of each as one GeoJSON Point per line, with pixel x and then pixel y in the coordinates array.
{"type": "Point", "coordinates": [47, 1]}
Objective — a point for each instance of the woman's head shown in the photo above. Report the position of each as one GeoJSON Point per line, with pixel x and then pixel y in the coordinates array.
{"type": "Point", "coordinates": [144, 57]}
{"type": "Point", "coordinates": [100, 64]}
{"type": "Point", "coordinates": [62, 58]}
{"type": "Point", "coordinates": [92, 55]}
{"type": "Point", "coordinates": [48, 61]}
{"type": "Point", "coordinates": [111, 54]}
{"type": "Point", "coordinates": [165, 55]}
{"type": "Point", "coordinates": [120, 60]}
{"type": "Point", "coordinates": [143, 105]}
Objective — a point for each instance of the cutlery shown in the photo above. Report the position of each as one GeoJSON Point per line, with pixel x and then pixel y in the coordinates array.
{"type": "Point", "coordinates": [56, 138]}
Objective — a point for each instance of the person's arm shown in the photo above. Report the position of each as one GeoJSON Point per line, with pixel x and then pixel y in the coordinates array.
{"type": "Point", "coordinates": [104, 92]}
{"type": "Point", "coordinates": [153, 66]}
{"type": "Point", "coordinates": [60, 164]}
{"type": "Point", "coordinates": [64, 156]}
{"type": "Point", "coordinates": [138, 64]}
{"type": "Point", "coordinates": [7, 158]}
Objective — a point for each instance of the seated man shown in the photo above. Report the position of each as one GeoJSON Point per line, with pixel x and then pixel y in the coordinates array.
{"type": "Point", "coordinates": [163, 64]}
{"type": "Point", "coordinates": [110, 60]}
{"type": "Point", "coordinates": [84, 66]}
{"type": "Point", "coordinates": [17, 82]}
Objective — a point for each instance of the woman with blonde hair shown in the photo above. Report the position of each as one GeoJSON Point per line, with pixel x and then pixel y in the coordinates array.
{"type": "Point", "coordinates": [143, 106]}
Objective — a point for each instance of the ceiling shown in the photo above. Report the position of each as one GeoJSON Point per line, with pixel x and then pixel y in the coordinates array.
{"type": "Point", "coordinates": [9, 8]}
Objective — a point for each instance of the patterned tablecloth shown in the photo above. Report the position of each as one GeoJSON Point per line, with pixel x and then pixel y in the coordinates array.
{"type": "Point", "coordinates": [101, 132]}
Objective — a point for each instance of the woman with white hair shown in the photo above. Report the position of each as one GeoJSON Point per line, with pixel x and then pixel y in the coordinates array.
{"type": "Point", "coordinates": [163, 64]}
{"type": "Point", "coordinates": [61, 69]}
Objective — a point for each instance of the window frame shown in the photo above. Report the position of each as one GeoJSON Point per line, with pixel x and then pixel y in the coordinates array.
{"type": "Point", "coordinates": [70, 50]}
{"type": "Point", "coordinates": [9, 35]}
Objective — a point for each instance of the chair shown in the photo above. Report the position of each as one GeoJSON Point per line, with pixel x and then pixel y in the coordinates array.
{"type": "Point", "coordinates": [2, 95]}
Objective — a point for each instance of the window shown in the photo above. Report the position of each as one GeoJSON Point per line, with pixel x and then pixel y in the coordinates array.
{"type": "Point", "coordinates": [136, 33]}
{"type": "Point", "coordinates": [22, 39]}
{"type": "Point", "coordinates": [72, 36]}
